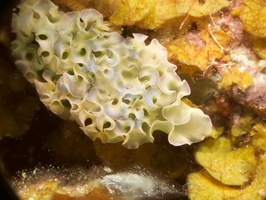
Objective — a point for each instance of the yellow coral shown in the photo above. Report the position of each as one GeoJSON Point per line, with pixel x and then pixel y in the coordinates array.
{"type": "Point", "coordinates": [259, 46]}
{"type": "Point", "coordinates": [226, 164]}
{"type": "Point", "coordinates": [234, 76]}
{"type": "Point", "coordinates": [202, 186]}
{"type": "Point", "coordinates": [208, 46]}
{"type": "Point", "coordinates": [259, 138]}
{"type": "Point", "coordinates": [253, 16]}
{"type": "Point", "coordinates": [207, 7]}
{"type": "Point", "coordinates": [243, 127]}
{"type": "Point", "coordinates": [131, 11]}
{"type": "Point", "coordinates": [163, 10]}
{"type": "Point", "coordinates": [147, 14]}
{"type": "Point", "coordinates": [216, 132]}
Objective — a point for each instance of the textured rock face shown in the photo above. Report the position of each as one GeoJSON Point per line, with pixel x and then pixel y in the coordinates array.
{"type": "Point", "coordinates": [116, 89]}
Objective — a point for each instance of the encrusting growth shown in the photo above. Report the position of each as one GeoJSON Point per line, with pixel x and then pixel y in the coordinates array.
{"type": "Point", "coordinates": [116, 89]}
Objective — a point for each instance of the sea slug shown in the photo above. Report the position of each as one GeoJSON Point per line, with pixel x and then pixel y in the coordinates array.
{"type": "Point", "coordinates": [116, 89]}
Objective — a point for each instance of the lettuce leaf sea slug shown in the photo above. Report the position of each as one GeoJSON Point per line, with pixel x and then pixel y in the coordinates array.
{"type": "Point", "coordinates": [116, 89]}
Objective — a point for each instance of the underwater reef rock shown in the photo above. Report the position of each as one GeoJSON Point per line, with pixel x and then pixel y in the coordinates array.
{"type": "Point", "coordinates": [219, 49]}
